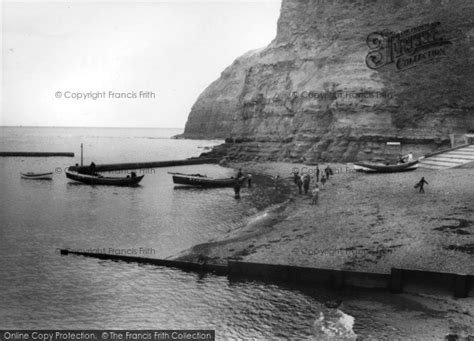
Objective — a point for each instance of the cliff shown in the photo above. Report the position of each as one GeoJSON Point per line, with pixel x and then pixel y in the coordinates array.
{"type": "Point", "coordinates": [342, 78]}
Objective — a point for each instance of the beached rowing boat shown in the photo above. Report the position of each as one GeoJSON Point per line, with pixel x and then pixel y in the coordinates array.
{"type": "Point", "coordinates": [381, 168]}
{"type": "Point", "coordinates": [202, 180]}
{"type": "Point", "coordinates": [37, 176]}
{"type": "Point", "coordinates": [96, 179]}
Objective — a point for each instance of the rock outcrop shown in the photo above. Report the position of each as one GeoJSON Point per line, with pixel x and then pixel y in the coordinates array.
{"type": "Point", "coordinates": [329, 88]}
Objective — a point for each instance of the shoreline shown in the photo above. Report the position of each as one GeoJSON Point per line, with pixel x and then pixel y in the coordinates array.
{"type": "Point", "coordinates": [350, 209]}
{"type": "Point", "coordinates": [428, 231]}
{"type": "Point", "coordinates": [270, 211]}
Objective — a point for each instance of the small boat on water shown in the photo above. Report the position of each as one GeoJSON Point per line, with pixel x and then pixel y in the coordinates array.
{"type": "Point", "coordinates": [97, 179]}
{"type": "Point", "coordinates": [202, 180]}
{"type": "Point", "coordinates": [37, 176]}
{"type": "Point", "coordinates": [370, 167]}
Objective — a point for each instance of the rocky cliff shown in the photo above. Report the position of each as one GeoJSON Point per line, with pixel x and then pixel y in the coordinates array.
{"type": "Point", "coordinates": [342, 78]}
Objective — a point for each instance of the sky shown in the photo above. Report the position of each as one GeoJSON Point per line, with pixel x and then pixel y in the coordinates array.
{"type": "Point", "coordinates": [121, 64]}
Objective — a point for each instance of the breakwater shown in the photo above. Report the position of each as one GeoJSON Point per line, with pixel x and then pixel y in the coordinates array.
{"type": "Point", "coordinates": [398, 281]}
{"type": "Point", "coordinates": [140, 165]}
{"type": "Point", "coordinates": [36, 154]}
{"type": "Point", "coordinates": [189, 266]}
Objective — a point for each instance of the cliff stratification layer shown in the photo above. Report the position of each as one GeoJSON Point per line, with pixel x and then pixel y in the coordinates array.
{"type": "Point", "coordinates": [342, 78]}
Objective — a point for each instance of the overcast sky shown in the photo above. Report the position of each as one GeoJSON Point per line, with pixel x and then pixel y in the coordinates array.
{"type": "Point", "coordinates": [174, 50]}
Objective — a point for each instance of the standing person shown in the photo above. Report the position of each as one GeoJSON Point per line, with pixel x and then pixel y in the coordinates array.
{"type": "Point", "coordinates": [306, 181]}
{"type": "Point", "coordinates": [420, 185]}
{"type": "Point", "coordinates": [327, 171]}
{"type": "Point", "coordinates": [237, 189]}
{"type": "Point", "coordinates": [92, 168]}
{"type": "Point", "coordinates": [317, 173]}
{"type": "Point", "coordinates": [249, 180]}
{"type": "Point", "coordinates": [239, 173]}
{"type": "Point", "coordinates": [315, 193]}
{"type": "Point", "coordinates": [323, 180]}
{"type": "Point", "coordinates": [296, 176]}
{"type": "Point", "coordinates": [299, 183]}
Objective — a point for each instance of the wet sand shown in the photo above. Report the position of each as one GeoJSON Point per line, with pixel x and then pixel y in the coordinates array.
{"type": "Point", "coordinates": [367, 222]}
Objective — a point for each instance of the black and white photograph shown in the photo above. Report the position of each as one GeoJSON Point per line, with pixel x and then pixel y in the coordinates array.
{"type": "Point", "coordinates": [237, 170]}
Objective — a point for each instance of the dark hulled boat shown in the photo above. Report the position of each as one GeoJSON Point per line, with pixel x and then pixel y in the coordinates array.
{"type": "Point", "coordinates": [96, 179]}
{"type": "Point", "coordinates": [381, 168]}
{"type": "Point", "coordinates": [202, 180]}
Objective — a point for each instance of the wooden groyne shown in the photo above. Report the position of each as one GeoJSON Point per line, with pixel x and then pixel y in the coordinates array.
{"type": "Point", "coordinates": [462, 285]}
{"type": "Point", "coordinates": [37, 154]}
{"type": "Point", "coordinates": [140, 165]}
{"type": "Point", "coordinates": [189, 266]}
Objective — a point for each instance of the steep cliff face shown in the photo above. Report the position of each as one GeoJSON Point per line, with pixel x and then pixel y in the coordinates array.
{"type": "Point", "coordinates": [329, 88]}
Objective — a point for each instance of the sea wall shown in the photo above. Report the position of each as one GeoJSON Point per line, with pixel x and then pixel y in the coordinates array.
{"type": "Point", "coordinates": [341, 78]}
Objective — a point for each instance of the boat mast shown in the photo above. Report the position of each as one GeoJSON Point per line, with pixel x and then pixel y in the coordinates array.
{"type": "Point", "coordinates": [81, 154]}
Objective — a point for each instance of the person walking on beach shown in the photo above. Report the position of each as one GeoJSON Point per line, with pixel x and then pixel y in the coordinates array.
{"type": "Point", "coordinates": [420, 185]}
{"type": "Point", "coordinates": [249, 180]}
{"type": "Point", "coordinates": [323, 180]}
{"type": "Point", "coordinates": [237, 189]}
{"type": "Point", "coordinates": [299, 183]}
{"type": "Point", "coordinates": [306, 181]}
{"type": "Point", "coordinates": [296, 176]}
{"type": "Point", "coordinates": [315, 194]}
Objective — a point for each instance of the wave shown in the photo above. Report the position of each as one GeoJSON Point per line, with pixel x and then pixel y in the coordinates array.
{"type": "Point", "coordinates": [335, 324]}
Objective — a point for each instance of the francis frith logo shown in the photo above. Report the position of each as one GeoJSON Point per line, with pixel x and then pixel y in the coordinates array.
{"type": "Point", "coordinates": [406, 49]}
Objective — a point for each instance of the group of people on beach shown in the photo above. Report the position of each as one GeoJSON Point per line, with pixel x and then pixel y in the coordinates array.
{"type": "Point", "coordinates": [303, 181]}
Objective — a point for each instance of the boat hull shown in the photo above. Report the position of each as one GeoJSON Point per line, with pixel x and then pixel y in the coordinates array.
{"type": "Point", "coordinates": [199, 181]}
{"type": "Point", "coordinates": [106, 181]}
{"type": "Point", "coordinates": [375, 168]}
{"type": "Point", "coordinates": [37, 176]}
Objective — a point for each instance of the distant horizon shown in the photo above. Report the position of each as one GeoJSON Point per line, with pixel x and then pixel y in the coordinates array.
{"type": "Point", "coordinates": [94, 63]}
{"type": "Point", "coordinates": [82, 127]}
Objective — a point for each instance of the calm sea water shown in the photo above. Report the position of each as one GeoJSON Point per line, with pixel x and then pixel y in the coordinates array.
{"type": "Point", "coordinates": [41, 289]}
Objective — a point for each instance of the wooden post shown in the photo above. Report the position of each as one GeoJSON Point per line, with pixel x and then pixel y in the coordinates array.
{"type": "Point", "coordinates": [396, 281]}
{"type": "Point", "coordinates": [81, 156]}
{"type": "Point", "coordinates": [461, 285]}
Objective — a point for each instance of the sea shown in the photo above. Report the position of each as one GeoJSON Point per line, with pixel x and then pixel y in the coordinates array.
{"type": "Point", "coordinates": [41, 289]}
